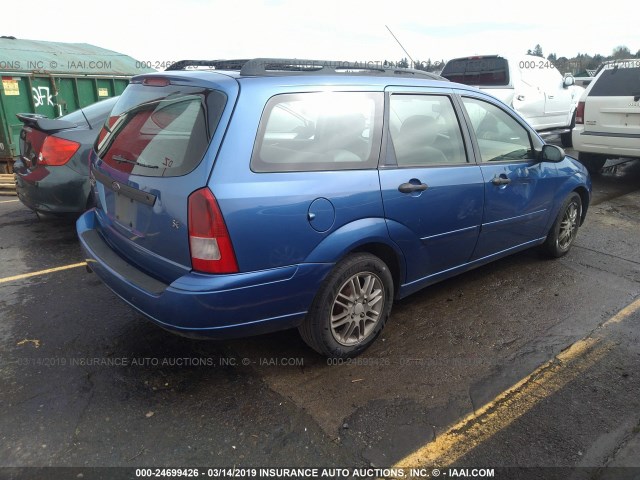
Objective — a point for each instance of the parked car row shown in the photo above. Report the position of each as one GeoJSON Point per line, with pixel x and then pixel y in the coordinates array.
{"type": "Point", "coordinates": [601, 122]}
{"type": "Point", "coordinates": [609, 128]}
{"type": "Point", "coordinates": [57, 182]}
{"type": "Point", "coordinates": [530, 85]}
{"type": "Point", "coordinates": [269, 194]}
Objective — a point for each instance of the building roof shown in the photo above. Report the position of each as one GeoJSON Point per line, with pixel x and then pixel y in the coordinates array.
{"type": "Point", "coordinates": [36, 56]}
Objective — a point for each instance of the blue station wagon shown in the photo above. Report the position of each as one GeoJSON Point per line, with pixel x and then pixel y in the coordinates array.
{"type": "Point", "coordinates": [260, 195]}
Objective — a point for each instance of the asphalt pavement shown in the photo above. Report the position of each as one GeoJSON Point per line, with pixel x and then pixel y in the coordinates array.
{"type": "Point", "coordinates": [526, 362]}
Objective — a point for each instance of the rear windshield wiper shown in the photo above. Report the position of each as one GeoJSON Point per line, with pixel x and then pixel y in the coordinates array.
{"type": "Point", "coordinates": [121, 159]}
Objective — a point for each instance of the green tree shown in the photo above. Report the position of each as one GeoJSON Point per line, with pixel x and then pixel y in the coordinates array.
{"type": "Point", "coordinates": [563, 64]}
{"type": "Point", "coordinates": [595, 62]}
{"type": "Point", "coordinates": [422, 65]}
{"type": "Point", "coordinates": [537, 51]}
{"type": "Point", "coordinates": [621, 51]}
{"type": "Point", "coordinates": [438, 65]}
{"type": "Point", "coordinates": [552, 58]}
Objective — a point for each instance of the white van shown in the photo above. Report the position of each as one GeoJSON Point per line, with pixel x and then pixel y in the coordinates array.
{"type": "Point", "coordinates": [608, 120]}
{"type": "Point", "coordinates": [531, 85]}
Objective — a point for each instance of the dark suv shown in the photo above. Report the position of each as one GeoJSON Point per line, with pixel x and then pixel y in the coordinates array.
{"type": "Point", "coordinates": [268, 194]}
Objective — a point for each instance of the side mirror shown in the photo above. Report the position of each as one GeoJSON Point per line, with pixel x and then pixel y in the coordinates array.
{"type": "Point", "coordinates": [552, 153]}
{"type": "Point", "coordinates": [568, 81]}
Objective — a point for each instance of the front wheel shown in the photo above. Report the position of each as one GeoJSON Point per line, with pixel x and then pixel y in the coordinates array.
{"type": "Point", "coordinates": [565, 229]}
{"type": "Point", "coordinates": [351, 307]}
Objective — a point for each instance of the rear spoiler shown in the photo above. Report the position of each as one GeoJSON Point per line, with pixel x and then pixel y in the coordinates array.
{"type": "Point", "coordinates": [44, 124]}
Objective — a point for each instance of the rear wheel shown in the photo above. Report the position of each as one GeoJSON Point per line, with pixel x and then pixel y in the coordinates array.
{"type": "Point", "coordinates": [565, 229]}
{"type": "Point", "coordinates": [593, 161]}
{"type": "Point", "coordinates": [351, 307]}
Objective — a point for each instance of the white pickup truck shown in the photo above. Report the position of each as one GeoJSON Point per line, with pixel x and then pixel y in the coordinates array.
{"type": "Point", "coordinates": [531, 85]}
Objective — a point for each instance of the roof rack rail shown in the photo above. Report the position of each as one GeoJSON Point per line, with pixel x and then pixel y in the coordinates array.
{"type": "Point", "coordinates": [213, 64]}
{"type": "Point", "coordinates": [288, 66]}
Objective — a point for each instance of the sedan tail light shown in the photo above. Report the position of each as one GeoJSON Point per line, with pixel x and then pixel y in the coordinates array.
{"type": "Point", "coordinates": [57, 151]}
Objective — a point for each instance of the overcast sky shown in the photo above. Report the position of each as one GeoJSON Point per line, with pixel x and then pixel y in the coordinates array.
{"type": "Point", "coordinates": [328, 29]}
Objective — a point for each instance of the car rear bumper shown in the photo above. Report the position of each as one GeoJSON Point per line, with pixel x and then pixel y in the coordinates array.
{"type": "Point", "coordinates": [52, 189]}
{"type": "Point", "coordinates": [602, 143]}
{"type": "Point", "coordinates": [211, 306]}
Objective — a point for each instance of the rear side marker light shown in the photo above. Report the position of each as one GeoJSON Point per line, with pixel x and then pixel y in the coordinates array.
{"type": "Point", "coordinates": [209, 241]}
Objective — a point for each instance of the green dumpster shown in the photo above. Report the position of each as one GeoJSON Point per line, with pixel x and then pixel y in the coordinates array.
{"type": "Point", "coordinates": [54, 79]}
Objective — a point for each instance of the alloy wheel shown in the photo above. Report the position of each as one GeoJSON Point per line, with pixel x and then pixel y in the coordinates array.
{"type": "Point", "coordinates": [357, 308]}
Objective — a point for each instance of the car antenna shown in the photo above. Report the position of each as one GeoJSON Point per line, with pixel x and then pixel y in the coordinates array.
{"type": "Point", "coordinates": [405, 51]}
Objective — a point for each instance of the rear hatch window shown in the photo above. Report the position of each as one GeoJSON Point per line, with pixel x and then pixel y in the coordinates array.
{"type": "Point", "coordinates": [478, 71]}
{"type": "Point", "coordinates": [618, 82]}
{"type": "Point", "coordinates": [160, 131]}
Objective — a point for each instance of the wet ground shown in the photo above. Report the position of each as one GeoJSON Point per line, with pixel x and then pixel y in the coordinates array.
{"type": "Point", "coordinates": [86, 381]}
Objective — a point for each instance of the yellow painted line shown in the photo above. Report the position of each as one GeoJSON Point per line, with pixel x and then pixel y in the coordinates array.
{"type": "Point", "coordinates": [624, 313]}
{"type": "Point", "coordinates": [9, 201]}
{"type": "Point", "coordinates": [42, 272]}
{"type": "Point", "coordinates": [513, 403]}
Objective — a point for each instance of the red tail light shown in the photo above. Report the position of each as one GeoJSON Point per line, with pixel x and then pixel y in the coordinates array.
{"type": "Point", "coordinates": [57, 151]}
{"type": "Point", "coordinates": [580, 114]}
{"type": "Point", "coordinates": [209, 241]}
{"type": "Point", "coordinates": [156, 81]}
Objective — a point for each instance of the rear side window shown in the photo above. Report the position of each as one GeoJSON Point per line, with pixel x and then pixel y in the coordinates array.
{"type": "Point", "coordinates": [483, 71]}
{"type": "Point", "coordinates": [319, 131]}
{"type": "Point", "coordinates": [425, 130]}
{"type": "Point", "coordinates": [617, 82]}
{"type": "Point", "coordinates": [160, 131]}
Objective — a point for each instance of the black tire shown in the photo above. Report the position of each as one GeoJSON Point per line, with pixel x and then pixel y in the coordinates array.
{"type": "Point", "coordinates": [365, 320]}
{"type": "Point", "coordinates": [565, 229]}
{"type": "Point", "coordinates": [593, 161]}
{"type": "Point", "coordinates": [566, 139]}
